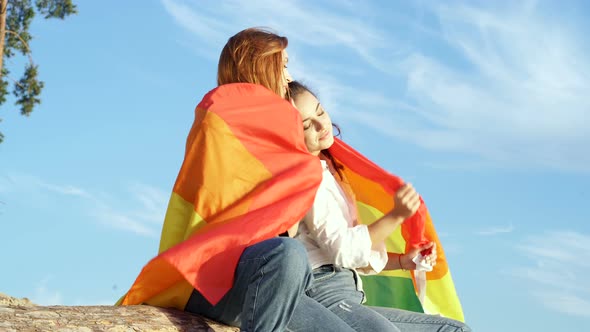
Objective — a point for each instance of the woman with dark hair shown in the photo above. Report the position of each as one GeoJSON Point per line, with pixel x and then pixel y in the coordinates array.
{"type": "Point", "coordinates": [340, 247]}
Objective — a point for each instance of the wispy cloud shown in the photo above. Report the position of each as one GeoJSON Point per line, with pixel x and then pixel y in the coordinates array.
{"type": "Point", "coordinates": [572, 304]}
{"type": "Point", "coordinates": [325, 24]}
{"type": "Point", "coordinates": [122, 221]}
{"type": "Point", "coordinates": [19, 181]}
{"type": "Point", "coordinates": [496, 230]}
{"type": "Point", "coordinates": [565, 247]}
{"type": "Point", "coordinates": [144, 217]}
{"type": "Point", "coordinates": [503, 84]}
{"type": "Point", "coordinates": [64, 190]}
{"type": "Point", "coordinates": [141, 211]}
{"type": "Point", "coordinates": [206, 27]}
{"type": "Point", "coordinates": [557, 270]}
{"type": "Point", "coordinates": [44, 295]}
{"type": "Point", "coordinates": [153, 202]}
{"type": "Point", "coordinates": [513, 92]}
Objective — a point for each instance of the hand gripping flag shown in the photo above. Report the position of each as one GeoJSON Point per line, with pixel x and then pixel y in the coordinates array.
{"type": "Point", "coordinates": [247, 177]}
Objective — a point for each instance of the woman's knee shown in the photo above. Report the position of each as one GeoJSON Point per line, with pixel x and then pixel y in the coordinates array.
{"type": "Point", "coordinates": [284, 257]}
{"type": "Point", "coordinates": [289, 257]}
{"type": "Point", "coordinates": [292, 254]}
{"type": "Point", "coordinates": [456, 326]}
{"type": "Point", "coordinates": [463, 328]}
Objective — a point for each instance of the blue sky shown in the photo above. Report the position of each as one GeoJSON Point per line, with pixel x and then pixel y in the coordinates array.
{"type": "Point", "coordinates": [482, 106]}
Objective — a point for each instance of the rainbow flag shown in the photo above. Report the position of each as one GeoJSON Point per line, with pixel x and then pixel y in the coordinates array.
{"type": "Point", "coordinates": [247, 177]}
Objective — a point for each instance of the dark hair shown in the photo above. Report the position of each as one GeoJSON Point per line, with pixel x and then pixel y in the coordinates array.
{"type": "Point", "coordinates": [254, 56]}
{"type": "Point", "coordinates": [296, 89]}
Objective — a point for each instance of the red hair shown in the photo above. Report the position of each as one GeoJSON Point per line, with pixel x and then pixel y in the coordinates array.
{"type": "Point", "coordinates": [254, 56]}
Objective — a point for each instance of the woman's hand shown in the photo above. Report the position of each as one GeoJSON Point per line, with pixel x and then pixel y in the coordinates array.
{"type": "Point", "coordinates": [406, 259]}
{"type": "Point", "coordinates": [406, 202]}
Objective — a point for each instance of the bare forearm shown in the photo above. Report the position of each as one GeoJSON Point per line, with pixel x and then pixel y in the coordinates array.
{"type": "Point", "coordinates": [393, 261]}
{"type": "Point", "coordinates": [382, 228]}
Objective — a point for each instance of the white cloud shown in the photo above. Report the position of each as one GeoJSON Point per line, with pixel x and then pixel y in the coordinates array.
{"type": "Point", "coordinates": [22, 182]}
{"type": "Point", "coordinates": [566, 247]}
{"type": "Point", "coordinates": [506, 85]}
{"type": "Point", "coordinates": [122, 221]}
{"type": "Point", "coordinates": [313, 25]}
{"type": "Point", "coordinates": [141, 212]}
{"type": "Point", "coordinates": [153, 202]}
{"type": "Point", "coordinates": [572, 304]}
{"type": "Point", "coordinates": [45, 296]}
{"type": "Point", "coordinates": [514, 93]}
{"type": "Point", "coordinates": [65, 189]}
{"type": "Point", "coordinates": [557, 270]}
{"type": "Point", "coordinates": [496, 230]}
{"type": "Point", "coordinates": [144, 219]}
{"type": "Point", "coordinates": [206, 27]}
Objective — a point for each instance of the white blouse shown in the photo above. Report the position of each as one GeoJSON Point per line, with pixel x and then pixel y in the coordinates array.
{"type": "Point", "coordinates": [331, 234]}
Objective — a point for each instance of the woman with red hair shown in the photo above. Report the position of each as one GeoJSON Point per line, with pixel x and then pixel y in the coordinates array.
{"type": "Point", "coordinates": [271, 276]}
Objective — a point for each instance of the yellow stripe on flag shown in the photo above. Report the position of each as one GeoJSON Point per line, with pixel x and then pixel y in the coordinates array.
{"type": "Point", "coordinates": [180, 218]}
{"type": "Point", "coordinates": [441, 298]}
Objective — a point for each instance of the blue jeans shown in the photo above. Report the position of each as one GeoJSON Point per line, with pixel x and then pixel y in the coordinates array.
{"type": "Point", "coordinates": [268, 293]}
{"type": "Point", "coordinates": [335, 288]}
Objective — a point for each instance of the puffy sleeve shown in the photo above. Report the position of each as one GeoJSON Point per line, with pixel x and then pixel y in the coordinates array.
{"type": "Point", "coordinates": [350, 247]}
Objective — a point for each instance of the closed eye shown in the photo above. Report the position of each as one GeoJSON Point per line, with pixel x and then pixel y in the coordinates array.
{"type": "Point", "coordinates": [319, 110]}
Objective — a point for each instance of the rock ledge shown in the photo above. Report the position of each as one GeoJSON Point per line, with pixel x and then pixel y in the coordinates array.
{"type": "Point", "coordinates": [18, 315]}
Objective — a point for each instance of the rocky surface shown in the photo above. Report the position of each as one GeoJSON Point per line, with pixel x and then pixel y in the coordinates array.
{"type": "Point", "coordinates": [22, 315]}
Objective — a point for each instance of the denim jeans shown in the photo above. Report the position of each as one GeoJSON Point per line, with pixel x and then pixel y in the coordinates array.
{"type": "Point", "coordinates": [335, 288]}
{"type": "Point", "coordinates": [268, 293]}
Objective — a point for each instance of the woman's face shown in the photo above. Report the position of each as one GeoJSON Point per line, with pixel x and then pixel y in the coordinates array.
{"type": "Point", "coordinates": [317, 126]}
{"type": "Point", "coordinates": [286, 76]}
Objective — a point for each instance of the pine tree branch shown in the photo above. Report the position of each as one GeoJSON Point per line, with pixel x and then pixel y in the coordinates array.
{"type": "Point", "coordinates": [24, 43]}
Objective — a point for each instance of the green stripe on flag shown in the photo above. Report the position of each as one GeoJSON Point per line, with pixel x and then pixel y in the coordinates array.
{"type": "Point", "coordinates": [393, 292]}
